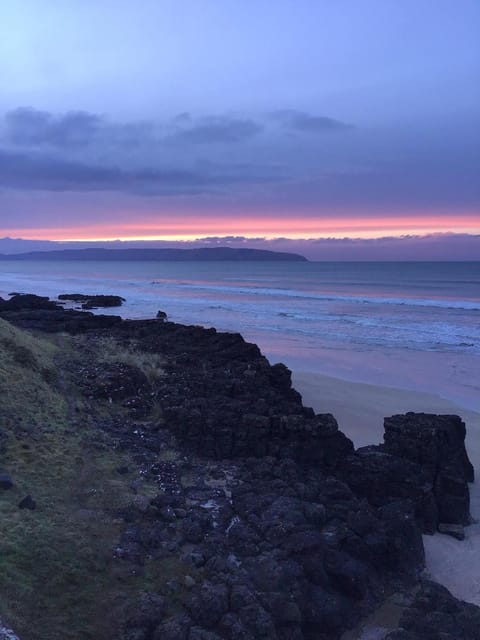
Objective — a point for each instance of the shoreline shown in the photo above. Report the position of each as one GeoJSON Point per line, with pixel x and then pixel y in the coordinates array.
{"type": "Point", "coordinates": [359, 409]}
{"type": "Point", "coordinates": [361, 417]}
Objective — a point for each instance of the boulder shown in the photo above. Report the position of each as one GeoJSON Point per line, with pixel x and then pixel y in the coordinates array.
{"type": "Point", "coordinates": [435, 613]}
{"type": "Point", "coordinates": [382, 478]}
{"type": "Point", "coordinates": [437, 444]}
{"type": "Point", "coordinates": [27, 503]}
{"type": "Point", "coordinates": [6, 481]}
{"type": "Point", "coordinates": [93, 301]}
{"type": "Point", "coordinates": [21, 301]}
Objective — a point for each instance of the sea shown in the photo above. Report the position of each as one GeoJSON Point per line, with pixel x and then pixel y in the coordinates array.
{"type": "Point", "coordinates": [408, 325]}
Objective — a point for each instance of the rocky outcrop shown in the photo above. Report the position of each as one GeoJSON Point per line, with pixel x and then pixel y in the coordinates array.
{"type": "Point", "coordinates": [437, 444]}
{"type": "Point", "coordinates": [6, 481]}
{"type": "Point", "coordinates": [93, 301]}
{"type": "Point", "coordinates": [435, 613]}
{"type": "Point", "coordinates": [381, 477]}
{"type": "Point", "coordinates": [26, 301]}
{"type": "Point", "coordinates": [423, 459]}
{"type": "Point", "coordinates": [276, 527]}
{"type": "Point", "coordinates": [223, 399]}
{"type": "Point", "coordinates": [292, 553]}
{"type": "Point", "coordinates": [55, 320]}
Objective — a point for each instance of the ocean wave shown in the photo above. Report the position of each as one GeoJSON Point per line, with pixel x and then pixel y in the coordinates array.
{"type": "Point", "coordinates": [468, 305]}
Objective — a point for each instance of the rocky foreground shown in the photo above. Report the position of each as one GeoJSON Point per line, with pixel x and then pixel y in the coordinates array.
{"type": "Point", "coordinates": [219, 506]}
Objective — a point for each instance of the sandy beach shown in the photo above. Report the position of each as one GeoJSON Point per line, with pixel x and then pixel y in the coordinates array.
{"type": "Point", "coordinates": [360, 409]}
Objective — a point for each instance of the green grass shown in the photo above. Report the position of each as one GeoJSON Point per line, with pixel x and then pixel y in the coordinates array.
{"type": "Point", "coordinates": [59, 577]}
{"type": "Point", "coordinates": [27, 371]}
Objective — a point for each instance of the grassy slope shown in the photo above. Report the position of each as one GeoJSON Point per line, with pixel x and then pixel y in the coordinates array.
{"type": "Point", "coordinates": [58, 577]}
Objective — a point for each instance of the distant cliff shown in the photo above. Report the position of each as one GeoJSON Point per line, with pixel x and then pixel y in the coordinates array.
{"type": "Point", "coordinates": [183, 255]}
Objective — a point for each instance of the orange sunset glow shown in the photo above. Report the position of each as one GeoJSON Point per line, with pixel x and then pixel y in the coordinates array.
{"type": "Point", "coordinates": [188, 228]}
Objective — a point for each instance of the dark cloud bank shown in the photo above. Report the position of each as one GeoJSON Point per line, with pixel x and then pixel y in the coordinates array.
{"type": "Point", "coordinates": [29, 127]}
{"type": "Point", "coordinates": [80, 151]}
{"type": "Point", "coordinates": [286, 157]}
{"type": "Point", "coordinates": [41, 172]}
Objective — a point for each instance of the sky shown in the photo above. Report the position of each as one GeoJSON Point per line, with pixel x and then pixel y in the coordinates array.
{"type": "Point", "coordinates": [240, 122]}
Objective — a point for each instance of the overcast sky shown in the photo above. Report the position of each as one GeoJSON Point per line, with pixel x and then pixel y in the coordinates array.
{"type": "Point", "coordinates": [191, 118]}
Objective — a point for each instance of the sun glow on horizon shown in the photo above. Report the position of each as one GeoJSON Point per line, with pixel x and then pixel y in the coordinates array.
{"type": "Point", "coordinates": [190, 228]}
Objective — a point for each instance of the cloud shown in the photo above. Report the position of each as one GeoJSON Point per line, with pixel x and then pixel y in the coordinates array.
{"type": "Point", "coordinates": [31, 128]}
{"type": "Point", "coordinates": [304, 122]}
{"type": "Point", "coordinates": [214, 130]}
{"type": "Point", "coordinates": [34, 171]}
{"type": "Point", "coordinates": [28, 127]}
{"type": "Point", "coordinates": [433, 246]}
{"type": "Point", "coordinates": [279, 161]}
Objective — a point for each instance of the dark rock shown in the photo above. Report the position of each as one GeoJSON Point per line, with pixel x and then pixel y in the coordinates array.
{"type": "Point", "coordinates": [196, 558]}
{"type": "Point", "coordinates": [144, 615]}
{"type": "Point", "coordinates": [423, 460]}
{"type": "Point", "coordinates": [167, 514]}
{"type": "Point", "coordinates": [258, 621]}
{"type": "Point", "coordinates": [285, 532]}
{"type": "Point", "coordinates": [5, 481]}
{"type": "Point", "coordinates": [192, 530]}
{"type": "Point", "coordinates": [327, 611]}
{"type": "Point", "coordinates": [437, 444]}
{"type": "Point", "coordinates": [176, 628]}
{"type": "Point", "coordinates": [27, 301]}
{"type": "Point", "coordinates": [348, 575]}
{"type": "Point", "coordinates": [208, 604]}
{"type": "Point", "coordinates": [405, 554]}
{"type": "Point", "coordinates": [196, 633]}
{"type": "Point", "coordinates": [27, 503]}
{"type": "Point", "coordinates": [161, 315]}
{"type": "Point", "coordinates": [122, 470]}
{"type": "Point", "coordinates": [314, 513]}
{"type": "Point", "coordinates": [382, 478]}
{"type": "Point", "coordinates": [168, 500]}
{"type": "Point", "coordinates": [115, 380]}
{"type": "Point", "coordinates": [231, 627]}
{"type": "Point", "coordinates": [93, 301]}
{"type": "Point", "coordinates": [454, 530]}
{"type": "Point", "coordinates": [436, 614]}
{"type": "Point", "coordinates": [430, 440]}
{"type": "Point", "coordinates": [53, 320]}
{"type": "Point", "coordinates": [3, 442]}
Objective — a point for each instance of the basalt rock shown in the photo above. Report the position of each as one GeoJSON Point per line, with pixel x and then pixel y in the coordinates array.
{"type": "Point", "coordinates": [27, 503]}
{"type": "Point", "coordinates": [436, 614]}
{"type": "Point", "coordinates": [54, 320]}
{"type": "Point", "coordinates": [437, 444]}
{"type": "Point", "coordinates": [284, 531]}
{"type": "Point", "coordinates": [423, 460]}
{"type": "Point", "coordinates": [26, 301]}
{"type": "Point", "coordinates": [93, 301]}
{"type": "Point", "coordinates": [381, 478]}
{"type": "Point", "coordinates": [6, 481]}
{"type": "Point", "coordinates": [222, 398]}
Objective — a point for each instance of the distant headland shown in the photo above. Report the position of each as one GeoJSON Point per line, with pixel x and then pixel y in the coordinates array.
{"type": "Point", "coordinates": [180, 255]}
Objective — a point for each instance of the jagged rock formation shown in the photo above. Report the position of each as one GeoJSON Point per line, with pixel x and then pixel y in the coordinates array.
{"type": "Point", "coordinates": [423, 459]}
{"type": "Point", "coordinates": [93, 301]}
{"type": "Point", "coordinates": [276, 528]}
{"type": "Point", "coordinates": [437, 444]}
{"type": "Point", "coordinates": [435, 614]}
{"type": "Point", "coordinates": [29, 311]}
